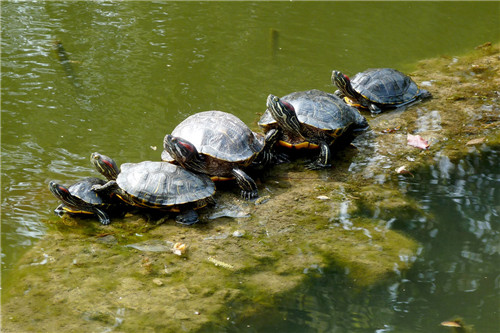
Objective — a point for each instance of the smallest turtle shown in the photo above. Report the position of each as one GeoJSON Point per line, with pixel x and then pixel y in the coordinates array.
{"type": "Point", "coordinates": [378, 89]}
{"type": "Point", "coordinates": [80, 199]}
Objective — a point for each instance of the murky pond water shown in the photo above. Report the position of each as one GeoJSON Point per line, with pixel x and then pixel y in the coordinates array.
{"type": "Point", "coordinates": [456, 274]}
{"type": "Point", "coordinates": [134, 70]}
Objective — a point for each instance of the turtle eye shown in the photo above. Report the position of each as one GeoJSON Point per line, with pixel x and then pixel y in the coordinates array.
{"type": "Point", "coordinates": [276, 99]}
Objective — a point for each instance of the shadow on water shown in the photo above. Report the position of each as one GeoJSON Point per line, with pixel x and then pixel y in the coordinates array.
{"type": "Point", "coordinates": [457, 273]}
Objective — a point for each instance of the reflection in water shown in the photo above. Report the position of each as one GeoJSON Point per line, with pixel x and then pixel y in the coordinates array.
{"type": "Point", "coordinates": [457, 272]}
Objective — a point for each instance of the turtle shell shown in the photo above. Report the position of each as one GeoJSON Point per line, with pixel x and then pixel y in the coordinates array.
{"type": "Point", "coordinates": [83, 190]}
{"type": "Point", "coordinates": [385, 86]}
{"type": "Point", "coordinates": [161, 184]}
{"type": "Point", "coordinates": [322, 111]}
{"type": "Point", "coordinates": [220, 135]}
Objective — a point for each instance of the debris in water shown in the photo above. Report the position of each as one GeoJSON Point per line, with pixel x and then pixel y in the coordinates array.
{"type": "Point", "coordinates": [179, 249]}
{"type": "Point", "coordinates": [234, 211]}
{"type": "Point", "coordinates": [153, 245]}
{"type": "Point", "coordinates": [417, 141]}
{"type": "Point", "coordinates": [403, 171]}
{"type": "Point", "coordinates": [391, 130]}
{"type": "Point", "coordinates": [262, 200]}
{"type": "Point", "coordinates": [220, 263]}
{"type": "Point", "coordinates": [475, 141]}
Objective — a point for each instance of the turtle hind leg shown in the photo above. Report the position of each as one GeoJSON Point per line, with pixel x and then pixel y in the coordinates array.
{"type": "Point", "coordinates": [324, 160]}
{"type": "Point", "coordinates": [246, 183]}
{"type": "Point", "coordinates": [188, 217]}
{"type": "Point", "coordinates": [102, 216]}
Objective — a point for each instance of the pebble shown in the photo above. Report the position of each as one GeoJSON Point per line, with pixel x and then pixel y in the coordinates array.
{"type": "Point", "coordinates": [322, 197]}
{"type": "Point", "coordinates": [158, 282]}
{"type": "Point", "coordinates": [238, 233]}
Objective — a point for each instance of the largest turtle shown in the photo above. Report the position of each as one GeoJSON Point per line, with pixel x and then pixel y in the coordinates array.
{"type": "Point", "coordinates": [312, 119]}
{"type": "Point", "coordinates": [157, 185]}
{"type": "Point", "coordinates": [220, 145]}
{"type": "Point", "coordinates": [377, 89]}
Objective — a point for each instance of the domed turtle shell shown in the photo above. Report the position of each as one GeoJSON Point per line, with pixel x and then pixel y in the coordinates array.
{"type": "Point", "coordinates": [83, 190]}
{"type": "Point", "coordinates": [321, 111]}
{"type": "Point", "coordinates": [385, 86]}
{"type": "Point", "coordinates": [220, 135]}
{"type": "Point", "coordinates": [161, 184]}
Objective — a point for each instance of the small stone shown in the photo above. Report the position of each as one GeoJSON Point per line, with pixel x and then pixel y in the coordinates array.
{"type": "Point", "coordinates": [238, 233]}
{"type": "Point", "coordinates": [322, 197]}
{"type": "Point", "coordinates": [158, 282]}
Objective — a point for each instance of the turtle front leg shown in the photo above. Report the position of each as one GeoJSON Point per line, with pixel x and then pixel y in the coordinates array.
{"type": "Point", "coordinates": [106, 187]}
{"type": "Point", "coordinates": [268, 155]}
{"type": "Point", "coordinates": [246, 183]}
{"type": "Point", "coordinates": [59, 210]}
{"type": "Point", "coordinates": [324, 159]}
{"type": "Point", "coordinates": [265, 157]}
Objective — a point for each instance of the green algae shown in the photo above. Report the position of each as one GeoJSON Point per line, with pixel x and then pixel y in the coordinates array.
{"type": "Point", "coordinates": [84, 274]}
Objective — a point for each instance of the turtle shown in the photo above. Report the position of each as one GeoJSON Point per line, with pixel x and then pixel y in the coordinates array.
{"type": "Point", "coordinates": [157, 185]}
{"type": "Point", "coordinates": [220, 145]}
{"type": "Point", "coordinates": [79, 198]}
{"type": "Point", "coordinates": [312, 119]}
{"type": "Point", "coordinates": [377, 89]}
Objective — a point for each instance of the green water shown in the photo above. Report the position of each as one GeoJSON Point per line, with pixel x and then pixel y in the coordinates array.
{"type": "Point", "coordinates": [139, 68]}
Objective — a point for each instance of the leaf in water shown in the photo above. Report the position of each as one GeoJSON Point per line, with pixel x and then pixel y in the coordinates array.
{"type": "Point", "coordinates": [417, 141]}
{"type": "Point", "coordinates": [475, 141]}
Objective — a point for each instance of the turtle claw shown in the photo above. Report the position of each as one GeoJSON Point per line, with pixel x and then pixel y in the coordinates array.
{"type": "Point", "coordinates": [248, 195]}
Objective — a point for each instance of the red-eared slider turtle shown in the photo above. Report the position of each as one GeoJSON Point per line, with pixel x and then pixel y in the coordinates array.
{"type": "Point", "coordinates": [378, 89]}
{"type": "Point", "coordinates": [220, 145]}
{"type": "Point", "coordinates": [80, 199]}
{"type": "Point", "coordinates": [157, 185]}
{"type": "Point", "coordinates": [312, 119]}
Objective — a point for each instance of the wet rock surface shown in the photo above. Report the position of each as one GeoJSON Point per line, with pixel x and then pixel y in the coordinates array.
{"type": "Point", "coordinates": [243, 255]}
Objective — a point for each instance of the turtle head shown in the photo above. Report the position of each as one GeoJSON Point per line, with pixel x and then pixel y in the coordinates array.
{"type": "Point", "coordinates": [284, 114]}
{"type": "Point", "coordinates": [59, 191]}
{"type": "Point", "coordinates": [183, 152]}
{"type": "Point", "coordinates": [62, 193]}
{"type": "Point", "coordinates": [343, 82]}
{"type": "Point", "coordinates": [105, 165]}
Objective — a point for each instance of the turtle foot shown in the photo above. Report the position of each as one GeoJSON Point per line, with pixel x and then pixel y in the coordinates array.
{"type": "Point", "coordinates": [248, 195]}
{"type": "Point", "coordinates": [188, 218]}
